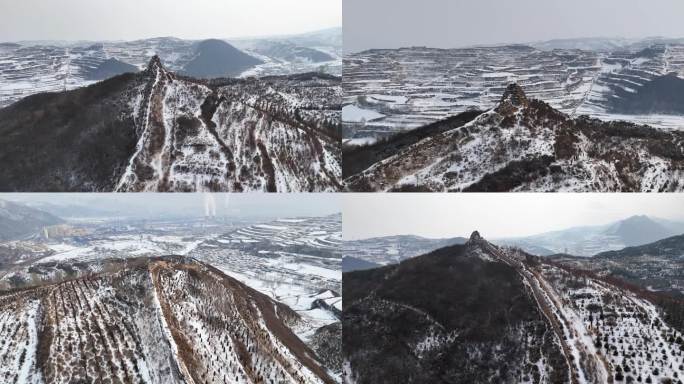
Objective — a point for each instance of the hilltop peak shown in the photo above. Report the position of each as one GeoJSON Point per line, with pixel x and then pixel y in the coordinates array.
{"type": "Point", "coordinates": [638, 230]}
{"type": "Point", "coordinates": [155, 64]}
{"type": "Point", "coordinates": [476, 240]}
{"type": "Point", "coordinates": [637, 218]}
{"type": "Point", "coordinates": [514, 95]}
{"type": "Point", "coordinates": [475, 236]}
{"type": "Point", "coordinates": [218, 58]}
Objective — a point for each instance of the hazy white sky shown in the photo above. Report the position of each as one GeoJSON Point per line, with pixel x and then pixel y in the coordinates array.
{"type": "Point", "coordinates": [494, 214]}
{"type": "Point", "coordinates": [262, 205]}
{"type": "Point", "coordinates": [135, 19]}
{"type": "Point", "coordinates": [455, 23]}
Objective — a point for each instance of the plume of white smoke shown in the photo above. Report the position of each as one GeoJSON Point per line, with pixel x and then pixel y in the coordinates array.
{"type": "Point", "coordinates": [226, 202]}
{"type": "Point", "coordinates": [209, 205]}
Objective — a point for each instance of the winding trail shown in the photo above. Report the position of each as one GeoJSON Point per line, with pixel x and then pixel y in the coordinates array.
{"type": "Point", "coordinates": [579, 355]}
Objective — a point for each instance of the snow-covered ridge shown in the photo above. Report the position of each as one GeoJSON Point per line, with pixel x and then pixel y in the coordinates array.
{"type": "Point", "coordinates": [160, 131]}
{"type": "Point", "coordinates": [566, 326]}
{"type": "Point", "coordinates": [605, 332]}
{"type": "Point", "coordinates": [609, 332]}
{"type": "Point", "coordinates": [271, 135]}
{"type": "Point", "coordinates": [101, 327]}
{"type": "Point", "coordinates": [524, 144]}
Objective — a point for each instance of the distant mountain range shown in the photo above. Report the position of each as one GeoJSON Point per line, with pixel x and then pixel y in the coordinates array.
{"type": "Point", "coordinates": [18, 221]}
{"type": "Point", "coordinates": [72, 210]}
{"type": "Point", "coordinates": [31, 67]}
{"type": "Point", "coordinates": [586, 241]}
{"type": "Point", "coordinates": [669, 247]}
{"type": "Point", "coordinates": [591, 240]}
{"type": "Point", "coordinates": [656, 266]}
{"type": "Point", "coordinates": [605, 44]}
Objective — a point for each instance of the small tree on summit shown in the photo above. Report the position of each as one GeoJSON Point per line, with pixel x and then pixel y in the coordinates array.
{"type": "Point", "coordinates": [618, 374]}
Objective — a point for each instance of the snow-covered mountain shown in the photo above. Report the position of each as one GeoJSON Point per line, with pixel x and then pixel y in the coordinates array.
{"type": "Point", "coordinates": [317, 50]}
{"type": "Point", "coordinates": [331, 37]}
{"type": "Point", "coordinates": [481, 313]}
{"type": "Point", "coordinates": [215, 58]}
{"type": "Point", "coordinates": [584, 241]}
{"type": "Point", "coordinates": [156, 320]}
{"type": "Point", "coordinates": [159, 131]}
{"type": "Point", "coordinates": [590, 240]}
{"type": "Point", "coordinates": [390, 90]}
{"type": "Point", "coordinates": [295, 262]}
{"type": "Point", "coordinates": [525, 144]}
{"type": "Point", "coordinates": [30, 67]}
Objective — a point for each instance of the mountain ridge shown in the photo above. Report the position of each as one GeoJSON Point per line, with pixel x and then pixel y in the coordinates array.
{"type": "Point", "coordinates": [388, 307]}
{"type": "Point", "coordinates": [168, 339]}
{"type": "Point", "coordinates": [170, 132]}
{"type": "Point", "coordinates": [399, 316]}
{"type": "Point", "coordinates": [589, 240]}
{"type": "Point", "coordinates": [524, 144]}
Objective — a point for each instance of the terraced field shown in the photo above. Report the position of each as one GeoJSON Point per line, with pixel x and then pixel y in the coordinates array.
{"type": "Point", "coordinates": [399, 89]}
{"type": "Point", "coordinates": [29, 69]}
{"type": "Point", "coordinates": [296, 261]}
{"type": "Point", "coordinates": [393, 249]}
